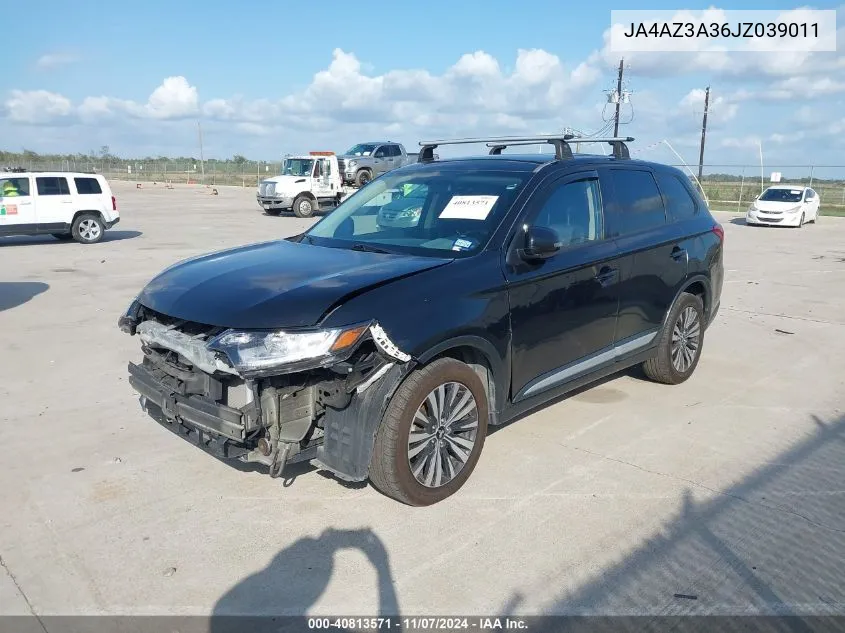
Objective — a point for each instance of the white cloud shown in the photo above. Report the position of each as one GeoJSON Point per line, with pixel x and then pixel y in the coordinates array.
{"type": "Point", "coordinates": [174, 98]}
{"type": "Point", "coordinates": [37, 106]}
{"type": "Point", "coordinates": [50, 61]}
{"type": "Point", "coordinates": [534, 92]}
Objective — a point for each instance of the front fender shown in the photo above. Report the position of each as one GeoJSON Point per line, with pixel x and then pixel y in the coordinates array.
{"type": "Point", "coordinates": [350, 432]}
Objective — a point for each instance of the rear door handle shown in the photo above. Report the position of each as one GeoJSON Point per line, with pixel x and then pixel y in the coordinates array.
{"type": "Point", "coordinates": [679, 253]}
{"type": "Point", "coordinates": [607, 275]}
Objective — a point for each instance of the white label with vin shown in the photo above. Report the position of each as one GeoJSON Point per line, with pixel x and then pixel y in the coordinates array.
{"type": "Point", "coordinates": [469, 207]}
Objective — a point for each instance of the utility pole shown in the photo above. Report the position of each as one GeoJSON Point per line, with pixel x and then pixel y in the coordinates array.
{"type": "Point", "coordinates": [703, 132]}
{"type": "Point", "coordinates": [202, 158]}
{"type": "Point", "coordinates": [618, 97]}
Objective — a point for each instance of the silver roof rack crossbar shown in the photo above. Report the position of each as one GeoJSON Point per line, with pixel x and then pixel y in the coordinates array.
{"type": "Point", "coordinates": [560, 142]}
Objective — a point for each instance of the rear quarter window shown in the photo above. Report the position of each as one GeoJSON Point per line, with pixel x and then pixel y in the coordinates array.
{"type": "Point", "coordinates": [87, 186]}
{"type": "Point", "coordinates": [637, 204]}
{"type": "Point", "coordinates": [680, 204]}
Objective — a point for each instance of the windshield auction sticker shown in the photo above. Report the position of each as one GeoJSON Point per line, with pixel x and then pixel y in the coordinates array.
{"type": "Point", "coordinates": [468, 207]}
{"type": "Point", "coordinates": [719, 31]}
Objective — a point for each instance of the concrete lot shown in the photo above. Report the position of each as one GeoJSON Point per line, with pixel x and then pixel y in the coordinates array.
{"type": "Point", "coordinates": [729, 488]}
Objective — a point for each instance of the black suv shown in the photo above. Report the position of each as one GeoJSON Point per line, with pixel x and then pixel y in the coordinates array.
{"type": "Point", "coordinates": [384, 348]}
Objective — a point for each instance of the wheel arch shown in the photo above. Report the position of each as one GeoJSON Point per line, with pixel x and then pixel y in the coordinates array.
{"type": "Point", "coordinates": [96, 212]}
{"type": "Point", "coordinates": [481, 355]}
{"type": "Point", "coordinates": [698, 285]}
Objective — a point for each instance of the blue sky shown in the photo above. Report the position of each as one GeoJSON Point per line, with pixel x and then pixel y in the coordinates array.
{"type": "Point", "coordinates": [268, 78]}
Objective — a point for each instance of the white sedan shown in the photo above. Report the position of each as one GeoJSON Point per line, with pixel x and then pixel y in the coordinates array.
{"type": "Point", "coordinates": [784, 205]}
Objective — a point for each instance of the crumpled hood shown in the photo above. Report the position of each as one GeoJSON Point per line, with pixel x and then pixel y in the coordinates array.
{"type": "Point", "coordinates": [273, 284]}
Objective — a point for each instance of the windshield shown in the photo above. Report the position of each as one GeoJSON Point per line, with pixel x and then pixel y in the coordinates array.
{"type": "Point", "coordinates": [362, 149]}
{"type": "Point", "coordinates": [297, 167]}
{"type": "Point", "coordinates": [426, 212]}
{"type": "Point", "coordinates": [782, 195]}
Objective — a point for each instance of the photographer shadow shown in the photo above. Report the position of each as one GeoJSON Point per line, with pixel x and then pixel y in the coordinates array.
{"type": "Point", "coordinates": [278, 597]}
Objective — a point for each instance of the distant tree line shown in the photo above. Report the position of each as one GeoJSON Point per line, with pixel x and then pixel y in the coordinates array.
{"type": "Point", "coordinates": [104, 155]}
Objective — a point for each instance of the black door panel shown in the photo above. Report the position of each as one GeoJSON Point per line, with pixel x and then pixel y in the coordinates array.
{"type": "Point", "coordinates": [563, 308]}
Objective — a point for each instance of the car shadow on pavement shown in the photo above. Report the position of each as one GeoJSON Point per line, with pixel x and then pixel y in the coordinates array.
{"type": "Point", "coordinates": [739, 221]}
{"type": "Point", "coordinates": [30, 240]}
{"type": "Point", "coordinates": [15, 293]}
{"type": "Point", "coordinates": [770, 545]}
{"type": "Point", "coordinates": [296, 578]}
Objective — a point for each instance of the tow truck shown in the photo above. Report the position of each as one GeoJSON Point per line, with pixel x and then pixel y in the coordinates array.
{"type": "Point", "coordinates": [306, 185]}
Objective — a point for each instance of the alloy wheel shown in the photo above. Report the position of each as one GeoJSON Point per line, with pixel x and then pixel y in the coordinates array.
{"type": "Point", "coordinates": [686, 339]}
{"type": "Point", "coordinates": [89, 230]}
{"type": "Point", "coordinates": [443, 434]}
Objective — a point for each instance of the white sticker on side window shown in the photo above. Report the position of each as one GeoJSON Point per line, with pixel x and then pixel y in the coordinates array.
{"type": "Point", "coordinates": [795, 191]}
{"type": "Point", "coordinates": [469, 207]}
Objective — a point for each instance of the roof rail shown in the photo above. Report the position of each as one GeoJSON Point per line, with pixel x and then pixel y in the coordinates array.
{"type": "Point", "coordinates": [560, 142]}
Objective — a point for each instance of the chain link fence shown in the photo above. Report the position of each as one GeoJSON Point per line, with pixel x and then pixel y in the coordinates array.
{"type": "Point", "coordinates": [727, 187]}
{"type": "Point", "coordinates": [734, 187]}
{"type": "Point", "coordinates": [211, 172]}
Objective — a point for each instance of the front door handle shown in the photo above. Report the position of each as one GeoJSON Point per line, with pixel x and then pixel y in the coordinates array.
{"type": "Point", "coordinates": [679, 253]}
{"type": "Point", "coordinates": [607, 275]}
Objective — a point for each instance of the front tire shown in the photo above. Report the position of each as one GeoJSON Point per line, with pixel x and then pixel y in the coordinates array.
{"type": "Point", "coordinates": [432, 434]}
{"type": "Point", "coordinates": [363, 177]}
{"type": "Point", "coordinates": [679, 347]}
{"type": "Point", "coordinates": [88, 228]}
{"type": "Point", "coordinates": [303, 207]}
{"type": "Point", "coordinates": [800, 222]}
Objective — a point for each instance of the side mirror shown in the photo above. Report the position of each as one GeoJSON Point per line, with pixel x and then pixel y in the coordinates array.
{"type": "Point", "coordinates": [540, 243]}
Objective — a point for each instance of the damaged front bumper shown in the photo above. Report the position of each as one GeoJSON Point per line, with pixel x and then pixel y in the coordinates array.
{"type": "Point", "coordinates": [327, 413]}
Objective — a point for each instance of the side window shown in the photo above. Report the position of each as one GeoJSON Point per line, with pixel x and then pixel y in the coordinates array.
{"type": "Point", "coordinates": [638, 205]}
{"type": "Point", "coordinates": [394, 150]}
{"type": "Point", "coordinates": [14, 187]}
{"type": "Point", "coordinates": [381, 152]}
{"type": "Point", "coordinates": [87, 186]}
{"type": "Point", "coordinates": [50, 186]}
{"type": "Point", "coordinates": [679, 203]}
{"type": "Point", "coordinates": [573, 210]}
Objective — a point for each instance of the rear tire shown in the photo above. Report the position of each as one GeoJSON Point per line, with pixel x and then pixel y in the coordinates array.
{"type": "Point", "coordinates": [680, 343]}
{"type": "Point", "coordinates": [88, 228]}
{"type": "Point", "coordinates": [442, 450]}
{"type": "Point", "coordinates": [303, 207]}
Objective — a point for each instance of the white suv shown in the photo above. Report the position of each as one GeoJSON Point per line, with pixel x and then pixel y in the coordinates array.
{"type": "Point", "coordinates": [66, 205]}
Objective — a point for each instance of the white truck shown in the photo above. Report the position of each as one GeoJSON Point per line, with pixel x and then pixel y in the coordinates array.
{"type": "Point", "coordinates": [66, 205]}
{"type": "Point", "coordinates": [306, 184]}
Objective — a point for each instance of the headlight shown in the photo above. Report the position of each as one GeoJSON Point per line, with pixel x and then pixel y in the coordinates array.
{"type": "Point", "coordinates": [411, 213]}
{"type": "Point", "coordinates": [352, 164]}
{"type": "Point", "coordinates": [254, 351]}
{"type": "Point", "coordinates": [793, 209]}
{"type": "Point", "coordinates": [753, 207]}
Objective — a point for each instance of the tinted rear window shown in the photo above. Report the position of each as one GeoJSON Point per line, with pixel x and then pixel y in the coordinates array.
{"type": "Point", "coordinates": [679, 203]}
{"type": "Point", "coordinates": [638, 205]}
{"type": "Point", "coordinates": [87, 186]}
{"type": "Point", "coordinates": [51, 186]}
